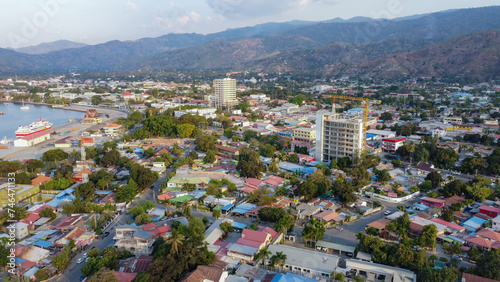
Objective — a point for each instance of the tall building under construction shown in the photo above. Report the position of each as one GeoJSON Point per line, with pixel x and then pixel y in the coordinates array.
{"type": "Point", "coordinates": [225, 93]}
{"type": "Point", "coordinates": [338, 138]}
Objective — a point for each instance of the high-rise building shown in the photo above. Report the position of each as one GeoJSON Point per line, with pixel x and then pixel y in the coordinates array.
{"type": "Point", "coordinates": [225, 93]}
{"type": "Point", "coordinates": [338, 138]}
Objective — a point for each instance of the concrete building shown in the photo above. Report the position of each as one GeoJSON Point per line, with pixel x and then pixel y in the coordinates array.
{"type": "Point", "coordinates": [454, 120]}
{"type": "Point", "coordinates": [225, 93]}
{"type": "Point", "coordinates": [392, 144]}
{"type": "Point", "coordinates": [305, 134]}
{"type": "Point", "coordinates": [32, 139]}
{"type": "Point", "coordinates": [370, 271]}
{"type": "Point", "coordinates": [134, 239]}
{"type": "Point", "coordinates": [21, 230]}
{"type": "Point", "coordinates": [21, 193]}
{"type": "Point", "coordinates": [338, 138]}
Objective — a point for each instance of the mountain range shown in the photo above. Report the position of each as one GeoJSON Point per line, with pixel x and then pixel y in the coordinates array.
{"type": "Point", "coordinates": [451, 44]}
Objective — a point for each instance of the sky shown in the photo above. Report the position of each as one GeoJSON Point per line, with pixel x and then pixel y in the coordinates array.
{"type": "Point", "coordinates": [31, 22]}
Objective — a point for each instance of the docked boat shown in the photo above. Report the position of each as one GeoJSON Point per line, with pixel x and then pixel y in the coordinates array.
{"type": "Point", "coordinates": [2, 113]}
{"type": "Point", "coordinates": [35, 127]}
{"type": "Point", "coordinates": [5, 141]}
{"type": "Point", "coordinates": [23, 107]}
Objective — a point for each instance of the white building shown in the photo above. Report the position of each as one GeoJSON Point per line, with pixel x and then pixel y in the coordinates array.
{"type": "Point", "coordinates": [21, 230]}
{"type": "Point", "coordinates": [205, 112]}
{"type": "Point", "coordinates": [370, 271]}
{"type": "Point", "coordinates": [392, 144]}
{"type": "Point", "coordinates": [32, 139]}
{"type": "Point", "coordinates": [309, 263]}
{"type": "Point", "coordinates": [338, 138]}
{"type": "Point", "coordinates": [225, 93]}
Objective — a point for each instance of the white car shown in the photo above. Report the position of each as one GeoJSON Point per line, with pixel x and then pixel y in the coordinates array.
{"type": "Point", "coordinates": [85, 255]}
{"type": "Point", "coordinates": [387, 212]}
{"type": "Point", "coordinates": [80, 260]}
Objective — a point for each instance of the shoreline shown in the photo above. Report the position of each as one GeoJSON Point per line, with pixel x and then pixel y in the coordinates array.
{"type": "Point", "coordinates": [23, 153]}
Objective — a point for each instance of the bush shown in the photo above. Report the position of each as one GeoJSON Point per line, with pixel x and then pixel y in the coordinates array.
{"type": "Point", "coordinates": [443, 259]}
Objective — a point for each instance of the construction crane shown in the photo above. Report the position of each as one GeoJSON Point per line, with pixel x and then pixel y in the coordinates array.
{"type": "Point", "coordinates": [230, 73]}
{"type": "Point", "coordinates": [366, 102]}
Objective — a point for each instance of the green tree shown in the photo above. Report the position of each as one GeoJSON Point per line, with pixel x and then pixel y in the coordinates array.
{"type": "Point", "coordinates": [54, 155]}
{"type": "Point", "coordinates": [313, 230]}
{"type": "Point", "coordinates": [448, 215]}
{"type": "Point", "coordinates": [23, 178]}
{"type": "Point", "coordinates": [435, 178]}
{"type": "Point", "coordinates": [386, 116]}
{"type": "Point", "coordinates": [185, 130]}
{"type": "Point", "coordinates": [267, 150]}
{"type": "Point", "coordinates": [96, 100]}
{"type": "Point", "coordinates": [249, 164]}
{"type": "Point", "coordinates": [343, 190]}
{"type": "Point", "coordinates": [488, 265]}
{"type": "Point", "coordinates": [104, 275]}
{"type": "Point", "coordinates": [110, 158]}
{"type": "Point", "coordinates": [34, 164]}
{"type": "Point", "coordinates": [209, 157]}
{"type": "Point", "coordinates": [429, 236]}
{"type": "Point", "coordinates": [42, 274]}
{"type": "Point", "coordinates": [48, 212]}
{"type": "Point", "coordinates": [294, 158]}
{"type": "Point", "coordinates": [307, 190]}
{"type": "Point", "coordinates": [216, 213]}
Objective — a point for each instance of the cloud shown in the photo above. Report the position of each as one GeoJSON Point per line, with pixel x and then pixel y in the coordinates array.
{"type": "Point", "coordinates": [131, 6]}
{"type": "Point", "coordinates": [194, 16]}
{"type": "Point", "coordinates": [238, 9]}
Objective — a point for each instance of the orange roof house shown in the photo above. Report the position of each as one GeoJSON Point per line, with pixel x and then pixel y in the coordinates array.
{"type": "Point", "coordinates": [40, 180]}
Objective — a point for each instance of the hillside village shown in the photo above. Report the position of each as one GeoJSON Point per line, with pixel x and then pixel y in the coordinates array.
{"type": "Point", "coordinates": [338, 180]}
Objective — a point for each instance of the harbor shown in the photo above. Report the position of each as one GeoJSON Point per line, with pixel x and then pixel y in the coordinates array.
{"type": "Point", "coordinates": [71, 127]}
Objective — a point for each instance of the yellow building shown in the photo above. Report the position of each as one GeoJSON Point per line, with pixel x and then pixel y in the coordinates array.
{"type": "Point", "coordinates": [305, 134]}
{"type": "Point", "coordinates": [19, 192]}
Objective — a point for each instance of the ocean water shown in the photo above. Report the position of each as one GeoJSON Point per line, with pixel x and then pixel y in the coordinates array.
{"type": "Point", "coordinates": [14, 117]}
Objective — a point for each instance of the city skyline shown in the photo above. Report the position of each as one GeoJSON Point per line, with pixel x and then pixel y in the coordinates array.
{"type": "Point", "coordinates": [33, 22]}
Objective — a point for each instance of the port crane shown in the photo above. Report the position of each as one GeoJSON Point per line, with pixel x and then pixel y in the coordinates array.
{"type": "Point", "coordinates": [366, 104]}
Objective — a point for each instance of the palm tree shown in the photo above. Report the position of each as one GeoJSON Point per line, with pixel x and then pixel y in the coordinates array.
{"type": "Point", "coordinates": [280, 259]}
{"type": "Point", "coordinates": [411, 149]}
{"type": "Point", "coordinates": [176, 240]}
{"type": "Point", "coordinates": [263, 254]}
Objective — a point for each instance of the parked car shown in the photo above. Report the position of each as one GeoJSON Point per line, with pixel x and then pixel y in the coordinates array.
{"type": "Point", "coordinates": [80, 260]}
{"type": "Point", "coordinates": [387, 212]}
{"type": "Point", "coordinates": [87, 259]}
{"type": "Point", "coordinates": [106, 234]}
{"type": "Point", "coordinates": [85, 255]}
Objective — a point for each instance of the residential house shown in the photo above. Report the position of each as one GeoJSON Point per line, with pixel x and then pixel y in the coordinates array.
{"type": "Point", "coordinates": [309, 263]}
{"type": "Point", "coordinates": [134, 239]}
{"type": "Point", "coordinates": [431, 202]}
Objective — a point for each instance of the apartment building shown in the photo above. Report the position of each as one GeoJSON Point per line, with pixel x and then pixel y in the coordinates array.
{"type": "Point", "coordinates": [225, 93]}
{"type": "Point", "coordinates": [305, 134]}
{"type": "Point", "coordinates": [338, 138]}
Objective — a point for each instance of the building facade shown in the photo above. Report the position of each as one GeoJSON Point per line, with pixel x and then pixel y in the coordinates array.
{"type": "Point", "coordinates": [392, 144]}
{"type": "Point", "coordinates": [21, 193]}
{"type": "Point", "coordinates": [305, 134]}
{"type": "Point", "coordinates": [338, 138]}
{"type": "Point", "coordinates": [225, 93]}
